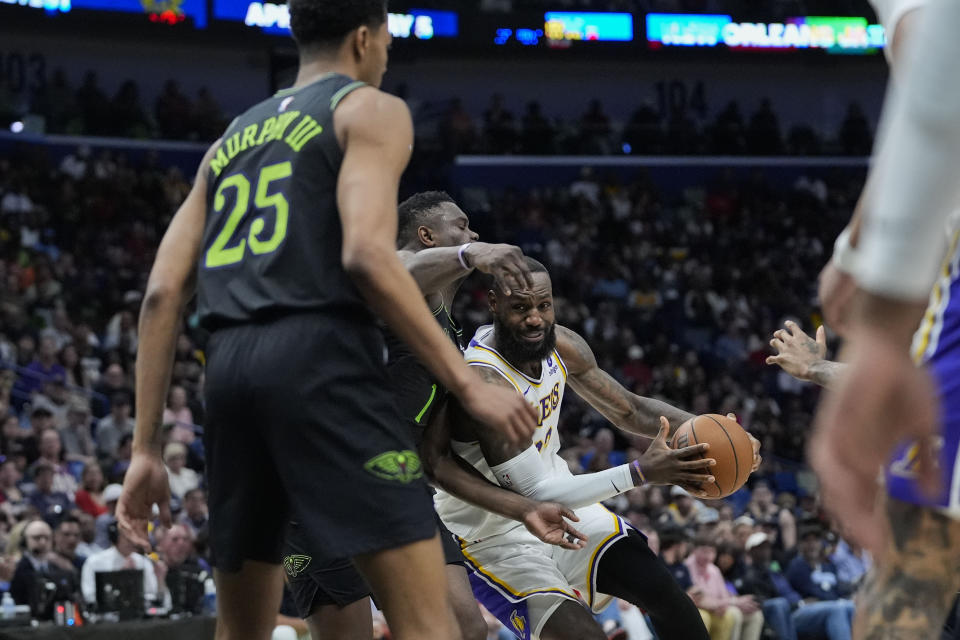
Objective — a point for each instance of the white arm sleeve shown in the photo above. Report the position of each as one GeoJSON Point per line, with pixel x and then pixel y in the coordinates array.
{"type": "Point", "coordinates": [917, 164]}
{"type": "Point", "coordinates": [526, 474]}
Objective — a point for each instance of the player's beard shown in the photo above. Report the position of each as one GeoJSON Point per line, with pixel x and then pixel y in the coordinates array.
{"type": "Point", "coordinates": [518, 351]}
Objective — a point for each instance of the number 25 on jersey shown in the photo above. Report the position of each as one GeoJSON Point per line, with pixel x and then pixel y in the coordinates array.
{"type": "Point", "coordinates": [219, 254]}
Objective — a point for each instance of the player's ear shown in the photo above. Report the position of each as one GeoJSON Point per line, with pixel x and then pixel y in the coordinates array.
{"type": "Point", "coordinates": [361, 41]}
{"type": "Point", "coordinates": [492, 300]}
{"type": "Point", "coordinates": [426, 237]}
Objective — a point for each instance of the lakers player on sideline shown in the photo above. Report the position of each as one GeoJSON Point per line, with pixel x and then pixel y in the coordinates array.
{"type": "Point", "coordinates": [535, 590]}
{"type": "Point", "coordinates": [289, 234]}
{"type": "Point", "coordinates": [440, 250]}
{"type": "Point", "coordinates": [883, 399]}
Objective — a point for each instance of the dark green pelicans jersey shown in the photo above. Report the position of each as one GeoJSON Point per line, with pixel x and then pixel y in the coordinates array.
{"type": "Point", "coordinates": [416, 392]}
{"type": "Point", "coordinates": [273, 240]}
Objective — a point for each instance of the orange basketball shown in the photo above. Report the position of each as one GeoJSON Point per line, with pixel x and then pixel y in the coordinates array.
{"type": "Point", "coordinates": [729, 445]}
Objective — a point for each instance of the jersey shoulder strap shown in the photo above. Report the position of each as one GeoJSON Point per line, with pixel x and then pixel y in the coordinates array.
{"type": "Point", "coordinates": [478, 354]}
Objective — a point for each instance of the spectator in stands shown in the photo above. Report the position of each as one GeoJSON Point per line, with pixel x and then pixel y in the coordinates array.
{"type": "Point", "coordinates": [114, 381]}
{"type": "Point", "coordinates": [90, 496]}
{"type": "Point", "coordinates": [673, 551]}
{"type": "Point", "coordinates": [70, 359]}
{"type": "Point", "coordinates": [43, 368]}
{"type": "Point", "coordinates": [78, 444]}
{"type": "Point", "coordinates": [182, 479]}
{"type": "Point", "coordinates": [731, 617]}
{"type": "Point", "coordinates": [684, 509]}
{"type": "Point", "coordinates": [852, 562]}
{"type": "Point", "coordinates": [110, 496]}
{"type": "Point", "coordinates": [121, 461]}
{"type": "Point", "coordinates": [764, 509]}
{"type": "Point", "coordinates": [815, 579]}
{"type": "Point", "coordinates": [51, 454]}
{"type": "Point", "coordinates": [111, 429]}
{"type": "Point", "coordinates": [51, 505]}
{"type": "Point", "coordinates": [122, 554]}
{"type": "Point", "coordinates": [185, 572]}
{"type": "Point", "coordinates": [602, 455]}
{"type": "Point", "coordinates": [66, 539]}
{"type": "Point", "coordinates": [194, 514]}
{"type": "Point", "coordinates": [88, 535]}
{"type": "Point", "coordinates": [178, 414]}
{"type": "Point", "coordinates": [10, 478]}
{"type": "Point", "coordinates": [37, 567]}
{"type": "Point", "coordinates": [55, 399]}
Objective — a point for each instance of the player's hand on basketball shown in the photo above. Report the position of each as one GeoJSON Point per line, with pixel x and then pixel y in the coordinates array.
{"type": "Point", "coordinates": [757, 458]}
{"type": "Point", "coordinates": [144, 485]}
{"type": "Point", "coordinates": [685, 467]}
{"type": "Point", "coordinates": [796, 352]}
{"type": "Point", "coordinates": [549, 522]}
{"type": "Point", "coordinates": [504, 262]}
{"type": "Point", "coordinates": [883, 400]}
{"type": "Point", "coordinates": [503, 409]}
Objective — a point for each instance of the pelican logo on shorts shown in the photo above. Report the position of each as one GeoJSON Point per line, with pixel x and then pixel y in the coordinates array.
{"type": "Point", "coordinates": [296, 564]}
{"type": "Point", "coordinates": [519, 622]}
{"type": "Point", "coordinates": [399, 466]}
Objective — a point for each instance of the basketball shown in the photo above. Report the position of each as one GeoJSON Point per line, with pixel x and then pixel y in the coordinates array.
{"type": "Point", "coordinates": [729, 445]}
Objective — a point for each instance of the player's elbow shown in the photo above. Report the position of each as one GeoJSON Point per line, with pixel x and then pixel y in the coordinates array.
{"type": "Point", "coordinates": [161, 295]}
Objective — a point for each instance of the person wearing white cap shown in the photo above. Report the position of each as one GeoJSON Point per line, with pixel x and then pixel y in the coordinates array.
{"type": "Point", "coordinates": [783, 608]}
{"type": "Point", "coordinates": [110, 496]}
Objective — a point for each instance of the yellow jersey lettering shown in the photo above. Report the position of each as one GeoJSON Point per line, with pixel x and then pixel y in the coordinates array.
{"type": "Point", "coordinates": [249, 137]}
{"type": "Point", "coordinates": [555, 397]}
{"type": "Point", "coordinates": [306, 130]}
{"type": "Point", "coordinates": [267, 130]}
{"type": "Point", "coordinates": [233, 146]}
{"type": "Point", "coordinates": [219, 161]}
{"type": "Point", "coordinates": [282, 123]}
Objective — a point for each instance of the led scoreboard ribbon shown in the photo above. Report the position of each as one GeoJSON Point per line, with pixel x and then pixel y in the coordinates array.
{"type": "Point", "coordinates": [274, 18]}
{"type": "Point", "coordinates": [834, 34]}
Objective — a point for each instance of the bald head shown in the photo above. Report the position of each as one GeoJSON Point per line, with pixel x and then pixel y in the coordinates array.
{"type": "Point", "coordinates": [39, 538]}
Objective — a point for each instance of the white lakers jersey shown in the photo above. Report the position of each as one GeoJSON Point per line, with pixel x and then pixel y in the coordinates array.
{"type": "Point", "coordinates": [546, 395]}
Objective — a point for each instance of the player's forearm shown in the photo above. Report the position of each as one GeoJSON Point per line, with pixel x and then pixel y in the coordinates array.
{"type": "Point", "coordinates": [645, 418]}
{"type": "Point", "coordinates": [903, 236]}
{"type": "Point", "coordinates": [526, 474]}
{"type": "Point", "coordinates": [159, 327]}
{"type": "Point", "coordinates": [458, 478]}
{"type": "Point", "coordinates": [392, 293]}
{"type": "Point", "coordinates": [825, 373]}
{"type": "Point", "coordinates": [435, 269]}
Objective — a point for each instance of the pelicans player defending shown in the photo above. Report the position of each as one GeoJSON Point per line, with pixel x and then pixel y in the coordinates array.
{"type": "Point", "coordinates": [535, 589]}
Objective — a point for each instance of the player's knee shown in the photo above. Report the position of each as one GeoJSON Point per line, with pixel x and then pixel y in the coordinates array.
{"type": "Point", "coordinates": [572, 621]}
